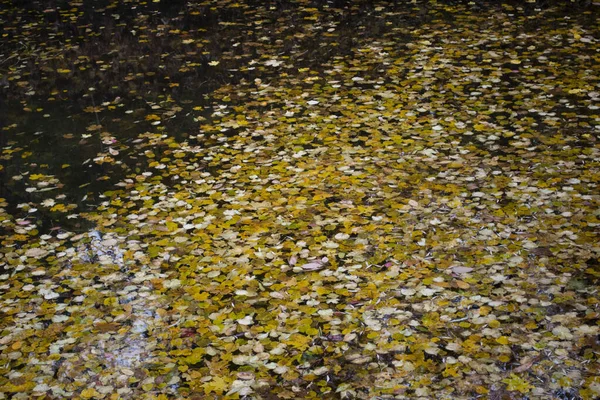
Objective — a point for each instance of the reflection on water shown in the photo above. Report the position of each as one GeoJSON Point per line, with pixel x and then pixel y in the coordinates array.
{"type": "Point", "coordinates": [104, 251]}
{"type": "Point", "coordinates": [123, 338]}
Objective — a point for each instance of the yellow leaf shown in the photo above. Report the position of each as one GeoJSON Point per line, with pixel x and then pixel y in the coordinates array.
{"type": "Point", "coordinates": [201, 296]}
{"type": "Point", "coordinates": [298, 341]}
{"type": "Point", "coordinates": [196, 356]}
{"type": "Point", "coordinates": [322, 291]}
{"type": "Point", "coordinates": [216, 385]}
{"type": "Point", "coordinates": [485, 310]}
{"type": "Point", "coordinates": [89, 393]}
{"type": "Point", "coordinates": [531, 325]}
{"type": "Point", "coordinates": [36, 177]}
{"type": "Point", "coordinates": [12, 388]}
{"type": "Point", "coordinates": [516, 383]}
{"type": "Point", "coordinates": [58, 207]}
{"type": "Point", "coordinates": [502, 340]}
{"type": "Point", "coordinates": [481, 389]}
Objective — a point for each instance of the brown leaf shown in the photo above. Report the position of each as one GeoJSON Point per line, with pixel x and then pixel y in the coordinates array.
{"type": "Point", "coordinates": [107, 326]}
{"type": "Point", "coordinates": [462, 284]}
{"type": "Point", "coordinates": [527, 363]}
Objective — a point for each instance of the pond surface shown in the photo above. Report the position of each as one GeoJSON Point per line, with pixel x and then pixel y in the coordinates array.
{"type": "Point", "coordinates": [299, 199]}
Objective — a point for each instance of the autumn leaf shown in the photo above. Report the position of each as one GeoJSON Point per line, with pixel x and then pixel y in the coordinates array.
{"type": "Point", "coordinates": [516, 383]}
{"type": "Point", "coordinates": [216, 385]}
